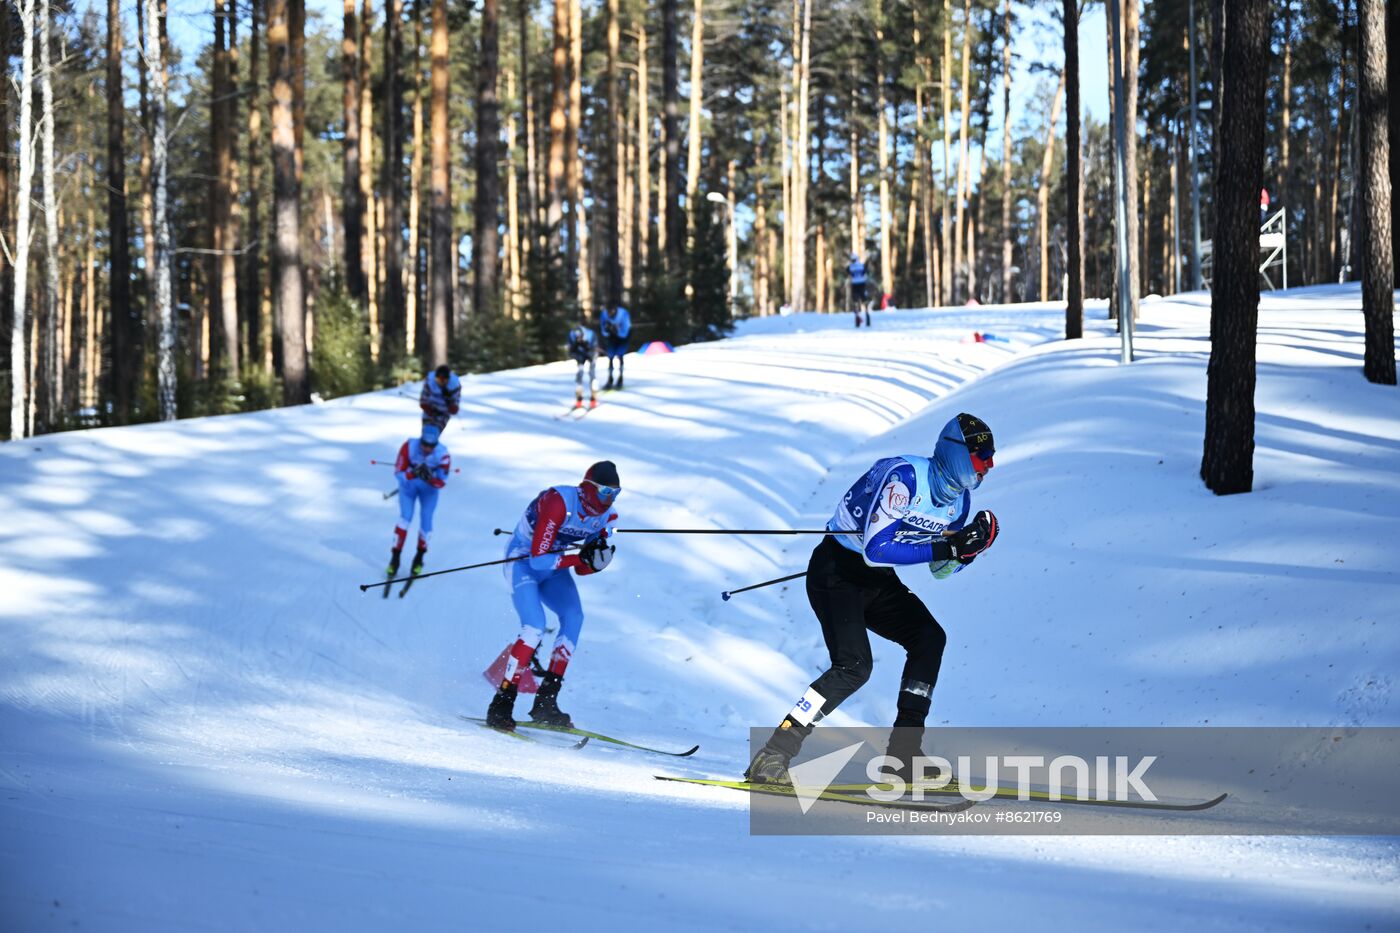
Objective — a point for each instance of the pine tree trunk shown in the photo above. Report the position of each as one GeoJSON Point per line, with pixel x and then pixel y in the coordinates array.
{"type": "Point", "coordinates": [578, 242]}
{"type": "Point", "coordinates": [513, 231]}
{"type": "Point", "coordinates": [882, 123]}
{"type": "Point", "coordinates": [945, 288]}
{"type": "Point", "coordinates": [644, 224]}
{"type": "Point", "coordinates": [148, 224]}
{"type": "Point", "coordinates": [440, 268]}
{"type": "Point", "coordinates": [1074, 175]}
{"type": "Point", "coordinates": [670, 207]}
{"type": "Point", "coordinates": [352, 210]}
{"type": "Point", "coordinates": [1227, 465]}
{"type": "Point", "coordinates": [697, 81]}
{"type": "Point", "coordinates": [1377, 273]}
{"type": "Point", "coordinates": [613, 157]}
{"type": "Point", "coordinates": [965, 91]}
{"type": "Point", "coordinates": [486, 244]}
{"type": "Point", "coordinates": [369, 227]}
{"type": "Point", "coordinates": [6, 231]}
{"type": "Point", "coordinates": [224, 192]}
{"type": "Point", "coordinates": [1392, 61]}
{"type": "Point", "coordinates": [797, 287]}
{"type": "Point", "coordinates": [125, 328]}
{"type": "Point", "coordinates": [1132, 46]}
{"type": "Point", "coordinates": [392, 185]}
{"type": "Point", "coordinates": [1042, 199]}
{"type": "Point", "coordinates": [531, 198]}
{"type": "Point", "coordinates": [290, 300]}
{"type": "Point", "coordinates": [259, 350]}
{"type": "Point", "coordinates": [556, 168]}
{"type": "Point", "coordinates": [1007, 253]}
{"type": "Point", "coordinates": [412, 287]}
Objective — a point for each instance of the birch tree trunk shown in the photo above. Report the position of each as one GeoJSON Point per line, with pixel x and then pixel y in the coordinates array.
{"type": "Point", "coordinates": [164, 309]}
{"type": "Point", "coordinates": [50, 386]}
{"type": "Point", "coordinates": [19, 323]}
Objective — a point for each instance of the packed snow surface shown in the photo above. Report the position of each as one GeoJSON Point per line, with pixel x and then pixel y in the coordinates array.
{"type": "Point", "coordinates": [205, 725]}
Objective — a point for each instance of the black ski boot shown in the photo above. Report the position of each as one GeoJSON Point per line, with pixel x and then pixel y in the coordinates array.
{"type": "Point", "coordinates": [501, 713]}
{"type": "Point", "coordinates": [609, 384]}
{"type": "Point", "coordinates": [905, 745]}
{"type": "Point", "coordinates": [392, 570]}
{"type": "Point", "coordinates": [770, 765]}
{"type": "Point", "coordinates": [619, 382]}
{"type": "Point", "coordinates": [417, 567]}
{"type": "Point", "coordinates": [546, 709]}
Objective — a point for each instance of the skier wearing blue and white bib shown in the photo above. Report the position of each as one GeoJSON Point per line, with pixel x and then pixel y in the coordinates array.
{"type": "Point", "coordinates": [904, 510]}
{"type": "Point", "coordinates": [559, 517]}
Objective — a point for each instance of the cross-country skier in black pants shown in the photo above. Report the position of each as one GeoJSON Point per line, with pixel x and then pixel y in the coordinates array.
{"type": "Point", "coordinates": [904, 510]}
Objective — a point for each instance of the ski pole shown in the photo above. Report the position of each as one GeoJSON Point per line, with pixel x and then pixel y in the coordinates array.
{"type": "Point", "coordinates": [743, 589]}
{"type": "Point", "coordinates": [436, 573]}
{"type": "Point", "coordinates": [720, 531]}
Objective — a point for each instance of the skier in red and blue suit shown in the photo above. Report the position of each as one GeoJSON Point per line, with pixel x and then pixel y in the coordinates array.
{"type": "Point", "coordinates": [421, 469]}
{"type": "Point", "coordinates": [558, 518]}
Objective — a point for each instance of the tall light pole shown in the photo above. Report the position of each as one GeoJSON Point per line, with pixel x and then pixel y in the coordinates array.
{"type": "Point", "coordinates": [732, 260]}
{"type": "Point", "coordinates": [1195, 182]}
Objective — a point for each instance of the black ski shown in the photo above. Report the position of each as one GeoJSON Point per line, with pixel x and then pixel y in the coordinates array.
{"type": "Point", "coordinates": [787, 790]}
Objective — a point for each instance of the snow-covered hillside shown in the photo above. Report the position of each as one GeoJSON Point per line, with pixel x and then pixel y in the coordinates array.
{"type": "Point", "coordinates": [204, 723]}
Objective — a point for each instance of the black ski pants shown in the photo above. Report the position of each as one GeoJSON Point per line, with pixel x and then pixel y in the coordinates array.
{"type": "Point", "coordinates": [850, 597]}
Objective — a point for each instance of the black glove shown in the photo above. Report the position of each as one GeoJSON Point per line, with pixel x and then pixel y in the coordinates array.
{"type": "Point", "coordinates": [974, 537]}
{"type": "Point", "coordinates": [423, 472]}
{"type": "Point", "coordinates": [596, 554]}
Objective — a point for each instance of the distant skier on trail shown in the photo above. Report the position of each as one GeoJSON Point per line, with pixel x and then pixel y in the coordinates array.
{"type": "Point", "coordinates": [583, 348]}
{"type": "Point", "coordinates": [421, 468]}
{"type": "Point", "coordinates": [857, 276]}
{"type": "Point", "coordinates": [559, 517]}
{"type": "Point", "coordinates": [907, 510]}
{"type": "Point", "coordinates": [617, 329]}
{"type": "Point", "coordinates": [440, 398]}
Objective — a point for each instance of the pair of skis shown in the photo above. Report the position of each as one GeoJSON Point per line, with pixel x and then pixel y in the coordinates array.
{"type": "Point", "coordinates": [403, 591]}
{"type": "Point", "coordinates": [578, 412]}
{"type": "Point", "coordinates": [583, 734]}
